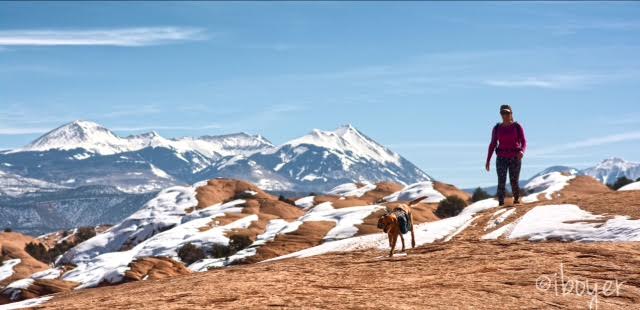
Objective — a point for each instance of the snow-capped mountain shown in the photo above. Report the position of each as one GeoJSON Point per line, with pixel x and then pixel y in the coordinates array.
{"type": "Point", "coordinates": [319, 161]}
{"type": "Point", "coordinates": [609, 170]}
{"type": "Point", "coordinates": [96, 139]}
{"type": "Point", "coordinates": [84, 153]}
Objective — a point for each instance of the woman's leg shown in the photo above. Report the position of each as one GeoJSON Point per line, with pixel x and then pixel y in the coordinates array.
{"type": "Point", "coordinates": [514, 177]}
{"type": "Point", "coordinates": [501, 168]}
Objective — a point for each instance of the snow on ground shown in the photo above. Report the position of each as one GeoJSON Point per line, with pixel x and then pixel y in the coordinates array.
{"type": "Point", "coordinates": [547, 184]}
{"type": "Point", "coordinates": [498, 232]}
{"type": "Point", "coordinates": [635, 186]}
{"type": "Point", "coordinates": [570, 223]}
{"type": "Point", "coordinates": [52, 273]}
{"type": "Point", "coordinates": [351, 190]}
{"type": "Point", "coordinates": [416, 190]}
{"type": "Point", "coordinates": [346, 220]}
{"type": "Point", "coordinates": [425, 233]}
{"type": "Point", "coordinates": [274, 228]}
{"type": "Point", "coordinates": [28, 303]}
{"type": "Point", "coordinates": [6, 270]}
{"type": "Point", "coordinates": [161, 213]}
{"type": "Point", "coordinates": [111, 266]}
{"type": "Point", "coordinates": [305, 202]}
{"type": "Point", "coordinates": [14, 289]}
{"type": "Point", "coordinates": [499, 217]}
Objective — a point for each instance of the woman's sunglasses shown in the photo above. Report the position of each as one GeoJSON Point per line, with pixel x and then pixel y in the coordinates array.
{"type": "Point", "coordinates": [505, 113]}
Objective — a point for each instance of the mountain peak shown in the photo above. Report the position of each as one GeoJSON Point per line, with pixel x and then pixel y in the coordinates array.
{"type": "Point", "coordinates": [78, 133]}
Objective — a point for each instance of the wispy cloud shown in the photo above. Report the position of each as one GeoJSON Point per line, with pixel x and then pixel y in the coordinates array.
{"type": "Point", "coordinates": [591, 142]}
{"type": "Point", "coordinates": [561, 81]}
{"type": "Point", "coordinates": [141, 36]}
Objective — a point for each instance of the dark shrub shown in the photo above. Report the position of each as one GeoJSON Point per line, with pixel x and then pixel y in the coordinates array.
{"type": "Point", "coordinates": [190, 253]}
{"type": "Point", "coordinates": [239, 242]}
{"type": "Point", "coordinates": [479, 194]}
{"type": "Point", "coordinates": [8, 229]}
{"type": "Point", "coordinates": [287, 200]}
{"type": "Point", "coordinates": [244, 195]}
{"type": "Point", "coordinates": [85, 233]}
{"type": "Point", "coordinates": [451, 206]}
{"type": "Point", "coordinates": [219, 250]}
{"type": "Point", "coordinates": [38, 251]}
{"type": "Point", "coordinates": [622, 181]}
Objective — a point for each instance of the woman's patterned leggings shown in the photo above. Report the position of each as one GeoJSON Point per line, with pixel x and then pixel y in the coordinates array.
{"type": "Point", "coordinates": [513, 166]}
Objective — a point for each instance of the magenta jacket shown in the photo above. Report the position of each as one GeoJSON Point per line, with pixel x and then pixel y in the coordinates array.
{"type": "Point", "coordinates": [509, 140]}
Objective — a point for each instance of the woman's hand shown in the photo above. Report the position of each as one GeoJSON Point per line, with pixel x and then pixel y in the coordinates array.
{"type": "Point", "coordinates": [487, 166]}
{"type": "Point", "coordinates": [520, 155]}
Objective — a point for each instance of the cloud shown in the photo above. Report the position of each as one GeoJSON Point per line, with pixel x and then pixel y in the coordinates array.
{"type": "Point", "coordinates": [616, 138]}
{"type": "Point", "coordinates": [561, 81]}
{"type": "Point", "coordinates": [142, 36]}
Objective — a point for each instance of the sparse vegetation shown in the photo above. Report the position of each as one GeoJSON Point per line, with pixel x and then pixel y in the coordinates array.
{"type": "Point", "coordinates": [479, 194]}
{"type": "Point", "coordinates": [620, 182]}
{"type": "Point", "coordinates": [40, 252]}
{"type": "Point", "coordinates": [190, 253]}
{"type": "Point", "coordinates": [451, 206]}
{"type": "Point", "coordinates": [638, 180]}
{"type": "Point", "coordinates": [85, 233]}
{"type": "Point", "coordinates": [244, 195]}
{"type": "Point", "coordinates": [239, 242]}
{"type": "Point", "coordinates": [287, 200]}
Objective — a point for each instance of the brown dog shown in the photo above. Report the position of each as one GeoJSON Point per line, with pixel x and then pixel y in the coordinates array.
{"type": "Point", "coordinates": [390, 224]}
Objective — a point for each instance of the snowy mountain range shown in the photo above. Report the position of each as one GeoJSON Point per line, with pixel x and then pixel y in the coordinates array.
{"type": "Point", "coordinates": [85, 153]}
{"type": "Point", "coordinates": [607, 172]}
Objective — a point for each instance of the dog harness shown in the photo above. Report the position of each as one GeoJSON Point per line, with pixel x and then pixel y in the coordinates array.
{"type": "Point", "coordinates": [404, 221]}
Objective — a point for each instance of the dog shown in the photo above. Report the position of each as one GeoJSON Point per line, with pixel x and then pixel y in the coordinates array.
{"type": "Point", "coordinates": [391, 222]}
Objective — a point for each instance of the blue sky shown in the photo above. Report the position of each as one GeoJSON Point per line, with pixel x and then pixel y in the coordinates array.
{"type": "Point", "coordinates": [425, 78]}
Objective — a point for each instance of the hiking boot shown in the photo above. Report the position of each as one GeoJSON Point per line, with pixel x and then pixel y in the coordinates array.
{"type": "Point", "coordinates": [516, 202]}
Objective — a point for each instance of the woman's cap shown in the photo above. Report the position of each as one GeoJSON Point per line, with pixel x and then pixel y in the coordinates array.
{"type": "Point", "coordinates": [505, 108]}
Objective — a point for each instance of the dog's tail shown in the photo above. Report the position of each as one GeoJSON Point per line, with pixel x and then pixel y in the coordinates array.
{"type": "Point", "coordinates": [417, 200]}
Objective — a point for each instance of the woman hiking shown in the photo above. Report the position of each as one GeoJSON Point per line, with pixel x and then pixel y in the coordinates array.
{"type": "Point", "coordinates": [509, 143]}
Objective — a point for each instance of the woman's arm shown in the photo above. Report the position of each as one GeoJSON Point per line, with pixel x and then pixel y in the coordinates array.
{"type": "Point", "coordinates": [492, 146]}
{"type": "Point", "coordinates": [523, 141]}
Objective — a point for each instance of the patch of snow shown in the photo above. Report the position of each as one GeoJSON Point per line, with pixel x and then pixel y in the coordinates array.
{"type": "Point", "coordinates": [500, 217]}
{"type": "Point", "coordinates": [159, 172]}
{"type": "Point", "coordinates": [15, 288]}
{"type": "Point", "coordinates": [27, 303]}
{"type": "Point", "coordinates": [6, 270]}
{"type": "Point", "coordinates": [52, 273]}
{"type": "Point", "coordinates": [546, 184]}
{"type": "Point", "coordinates": [416, 190]}
{"type": "Point", "coordinates": [494, 235]}
{"type": "Point", "coordinates": [305, 202]}
{"type": "Point", "coordinates": [570, 223]}
{"type": "Point", "coordinates": [351, 190]}
{"type": "Point", "coordinates": [635, 186]}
